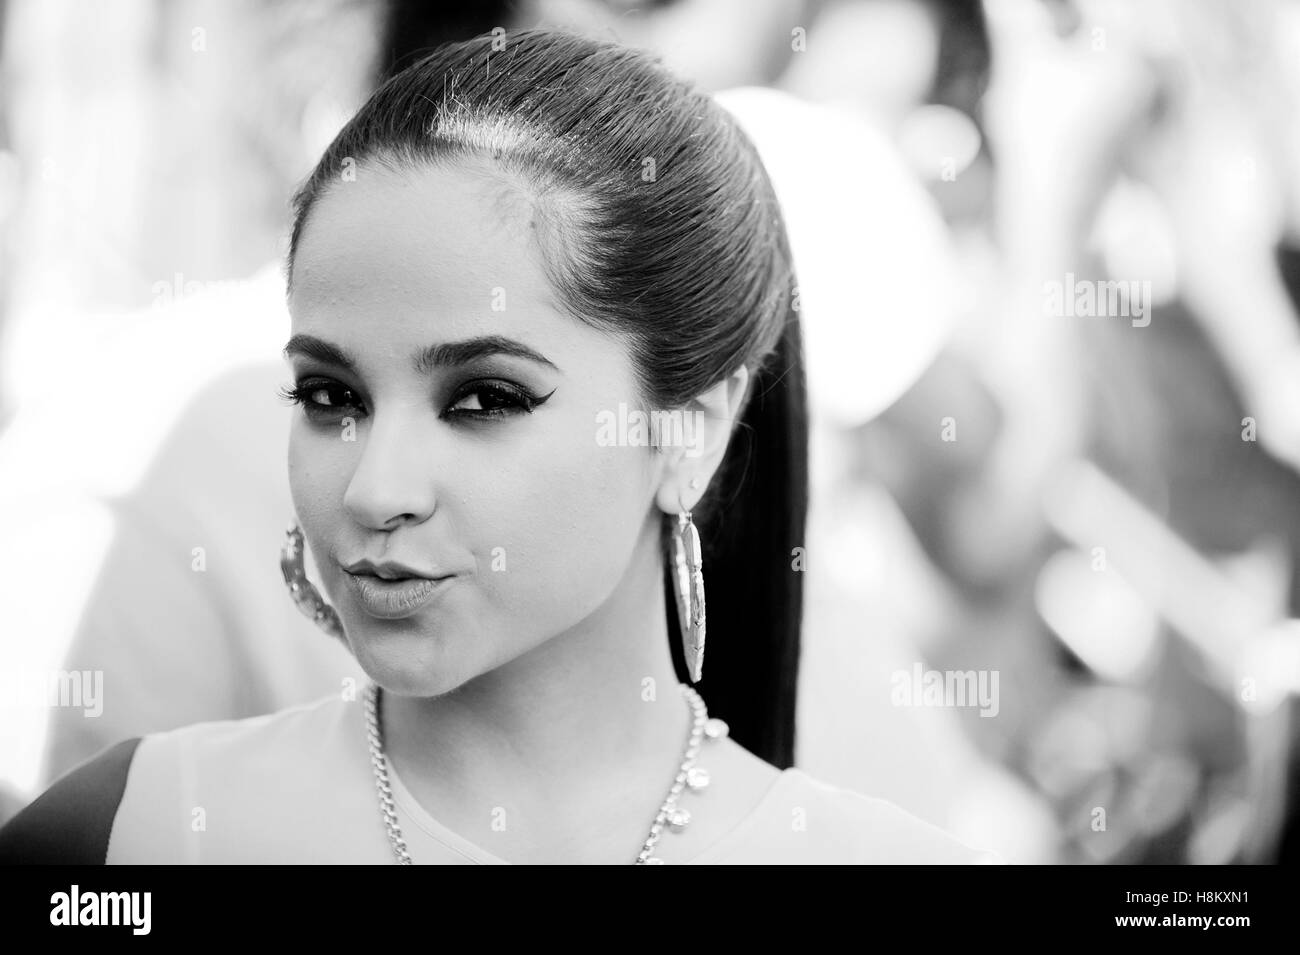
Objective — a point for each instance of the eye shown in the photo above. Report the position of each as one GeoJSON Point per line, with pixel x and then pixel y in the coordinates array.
{"type": "Point", "coordinates": [493, 399]}
{"type": "Point", "coordinates": [324, 399]}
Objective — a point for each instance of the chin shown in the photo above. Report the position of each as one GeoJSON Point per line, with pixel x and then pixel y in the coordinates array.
{"type": "Point", "coordinates": [405, 660]}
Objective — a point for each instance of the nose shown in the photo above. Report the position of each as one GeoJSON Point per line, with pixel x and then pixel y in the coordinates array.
{"type": "Point", "coordinates": [393, 482]}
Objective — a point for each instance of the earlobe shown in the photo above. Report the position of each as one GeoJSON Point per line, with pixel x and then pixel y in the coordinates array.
{"type": "Point", "coordinates": [679, 491]}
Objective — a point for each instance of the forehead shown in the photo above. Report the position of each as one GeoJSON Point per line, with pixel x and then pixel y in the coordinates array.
{"type": "Point", "coordinates": [450, 241]}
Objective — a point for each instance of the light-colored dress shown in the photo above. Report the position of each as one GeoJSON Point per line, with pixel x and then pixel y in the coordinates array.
{"type": "Point", "coordinates": [297, 786]}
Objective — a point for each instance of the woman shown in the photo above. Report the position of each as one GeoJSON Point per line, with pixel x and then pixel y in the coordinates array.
{"type": "Point", "coordinates": [535, 285]}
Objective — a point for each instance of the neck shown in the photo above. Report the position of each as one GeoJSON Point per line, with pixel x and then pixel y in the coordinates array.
{"type": "Point", "coordinates": [598, 702]}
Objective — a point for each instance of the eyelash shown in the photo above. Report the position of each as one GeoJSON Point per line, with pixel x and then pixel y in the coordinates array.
{"type": "Point", "coordinates": [523, 400]}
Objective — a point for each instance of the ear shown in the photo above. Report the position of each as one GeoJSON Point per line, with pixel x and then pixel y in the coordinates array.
{"type": "Point", "coordinates": [705, 430]}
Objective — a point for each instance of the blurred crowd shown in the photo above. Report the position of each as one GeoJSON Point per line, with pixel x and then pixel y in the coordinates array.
{"type": "Point", "coordinates": [1050, 257]}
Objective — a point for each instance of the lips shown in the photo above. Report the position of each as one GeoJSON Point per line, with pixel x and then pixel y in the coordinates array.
{"type": "Point", "coordinates": [392, 599]}
{"type": "Point", "coordinates": [390, 570]}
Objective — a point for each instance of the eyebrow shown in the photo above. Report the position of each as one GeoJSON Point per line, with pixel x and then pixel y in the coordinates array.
{"type": "Point", "coordinates": [446, 354]}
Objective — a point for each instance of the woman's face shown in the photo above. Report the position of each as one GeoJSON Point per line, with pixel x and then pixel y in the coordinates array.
{"type": "Point", "coordinates": [418, 299]}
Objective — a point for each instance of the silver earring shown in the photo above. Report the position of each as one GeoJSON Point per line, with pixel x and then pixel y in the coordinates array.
{"type": "Point", "coordinates": [302, 590]}
{"type": "Point", "coordinates": [688, 586]}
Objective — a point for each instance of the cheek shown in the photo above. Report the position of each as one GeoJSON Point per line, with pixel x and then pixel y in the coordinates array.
{"type": "Point", "coordinates": [566, 520]}
{"type": "Point", "coordinates": [318, 475]}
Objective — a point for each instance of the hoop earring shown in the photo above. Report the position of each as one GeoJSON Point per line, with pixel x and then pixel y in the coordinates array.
{"type": "Point", "coordinates": [688, 586]}
{"type": "Point", "coordinates": [302, 590]}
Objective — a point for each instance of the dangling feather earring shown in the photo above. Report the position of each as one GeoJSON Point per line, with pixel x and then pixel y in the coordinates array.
{"type": "Point", "coordinates": [688, 586]}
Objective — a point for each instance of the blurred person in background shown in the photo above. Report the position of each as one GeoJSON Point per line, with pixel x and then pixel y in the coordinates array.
{"type": "Point", "coordinates": [1104, 514]}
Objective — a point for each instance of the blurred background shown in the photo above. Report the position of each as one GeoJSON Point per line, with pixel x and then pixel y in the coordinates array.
{"type": "Point", "coordinates": [1049, 261]}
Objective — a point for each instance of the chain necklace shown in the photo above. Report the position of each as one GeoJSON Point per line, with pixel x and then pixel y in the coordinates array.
{"type": "Point", "coordinates": [670, 814]}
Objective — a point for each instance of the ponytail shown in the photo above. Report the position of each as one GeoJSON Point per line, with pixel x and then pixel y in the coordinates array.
{"type": "Point", "coordinates": [749, 532]}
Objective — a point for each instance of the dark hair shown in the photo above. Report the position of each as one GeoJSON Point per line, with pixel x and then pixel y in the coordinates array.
{"type": "Point", "coordinates": [412, 28]}
{"type": "Point", "coordinates": [690, 265]}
